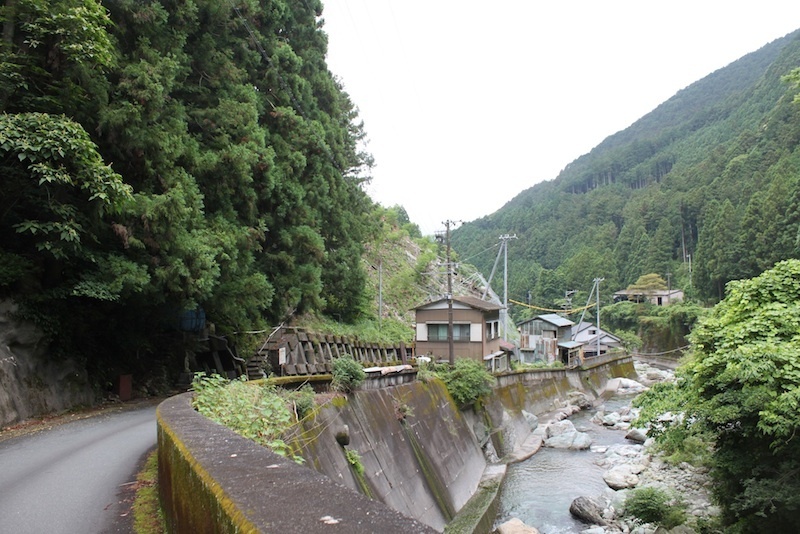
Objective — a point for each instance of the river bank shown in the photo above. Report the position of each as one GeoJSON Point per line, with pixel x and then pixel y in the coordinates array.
{"type": "Point", "coordinates": [541, 491]}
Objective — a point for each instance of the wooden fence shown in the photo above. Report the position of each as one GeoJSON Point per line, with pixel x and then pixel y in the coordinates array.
{"type": "Point", "coordinates": [292, 351]}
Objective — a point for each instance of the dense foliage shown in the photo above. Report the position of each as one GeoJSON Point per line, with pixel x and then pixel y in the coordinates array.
{"type": "Point", "coordinates": [163, 156]}
{"type": "Point", "coordinates": [741, 390]}
{"type": "Point", "coordinates": [257, 412]}
{"type": "Point", "coordinates": [701, 191]}
{"type": "Point", "coordinates": [653, 505]}
{"type": "Point", "coordinates": [347, 374]}
{"type": "Point", "coordinates": [466, 381]}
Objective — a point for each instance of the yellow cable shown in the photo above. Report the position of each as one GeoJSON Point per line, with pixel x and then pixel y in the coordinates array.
{"type": "Point", "coordinates": [573, 310]}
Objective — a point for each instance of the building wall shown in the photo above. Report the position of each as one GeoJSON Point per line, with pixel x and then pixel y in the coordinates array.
{"type": "Point", "coordinates": [461, 349]}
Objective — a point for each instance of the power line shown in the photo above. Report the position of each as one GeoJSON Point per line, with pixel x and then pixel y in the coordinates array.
{"type": "Point", "coordinates": [560, 310]}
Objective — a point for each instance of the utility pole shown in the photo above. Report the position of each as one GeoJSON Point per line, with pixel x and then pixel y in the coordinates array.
{"type": "Point", "coordinates": [504, 239]}
{"type": "Point", "coordinates": [597, 285]}
{"type": "Point", "coordinates": [669, 287]}
{"type": "Point", "coordinates": [380, 293]}
{"type": "Point", "coordinates": [451, 349]}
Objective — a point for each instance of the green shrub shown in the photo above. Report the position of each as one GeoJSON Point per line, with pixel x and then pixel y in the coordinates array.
{"type": "Point", "coordinates": [467, 380]}
{"type": "Point", "coordinates": [347, 374]}
{"type": "Point", "coordinates": [654, 505]}
{"type": "Point", "coordinates": [301, 400]}
{"type": "Point", "coordinates": [257, 412]}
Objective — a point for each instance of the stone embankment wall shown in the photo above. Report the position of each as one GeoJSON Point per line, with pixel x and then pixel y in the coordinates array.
{"type": "Point", "coordinates": [420, 456]}
{"type": "Point", "coordinates": [32, 382]}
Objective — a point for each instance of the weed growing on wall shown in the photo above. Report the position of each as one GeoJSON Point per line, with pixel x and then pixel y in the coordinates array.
{"type": "Point", "coordinates": [467, 380]}
{"type": "Point", "coordinates": [347, 374]}
{"type": "Point", "coordinates": [257, 412]}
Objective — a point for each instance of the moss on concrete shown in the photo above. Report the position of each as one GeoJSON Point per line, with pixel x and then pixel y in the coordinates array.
{"type": "Point", "coordinates": [478, 515]}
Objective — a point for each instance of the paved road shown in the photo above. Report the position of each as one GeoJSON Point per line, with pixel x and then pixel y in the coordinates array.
{"type": "Point", "coordinates": [72, 479]}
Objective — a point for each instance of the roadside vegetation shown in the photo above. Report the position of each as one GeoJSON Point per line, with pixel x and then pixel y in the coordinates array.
{"type": "Point", "coordinates": [147, 515]}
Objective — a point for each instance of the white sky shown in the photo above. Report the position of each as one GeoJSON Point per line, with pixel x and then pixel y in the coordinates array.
{"type": "Point", "coordinates": [467, 104]}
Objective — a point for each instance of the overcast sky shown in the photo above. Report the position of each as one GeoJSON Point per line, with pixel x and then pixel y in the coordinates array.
{"type": "Point", "coordinates": [467, 104]}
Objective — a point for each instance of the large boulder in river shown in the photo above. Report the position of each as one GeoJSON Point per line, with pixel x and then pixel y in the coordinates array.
{"type": "Point", "coordinates": [588, 510]}
{"type": "Point", "coordinates": [576, 441]}
{"type": "Point", "coordinates": [563, 435]}
{"type": "Point", "coordinates": [623, 476]}
{"type": "Point", "coordinates": [515, 526]}
{"type": "Point", "coordinates": [559, 427]}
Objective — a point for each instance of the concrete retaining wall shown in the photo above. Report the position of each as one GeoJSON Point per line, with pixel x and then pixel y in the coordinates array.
{"type": "Point", "coordinates": [419, 453]}
{"type": "Point", "coordinates": [211, 480]}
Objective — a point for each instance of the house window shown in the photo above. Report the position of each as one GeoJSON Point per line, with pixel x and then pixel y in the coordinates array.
{"type": "Point", "coordinates": [492, 330]}
{"type": "Point", "coordinates": [592, 332]}
{"type": "Point", "coordinates": [438, 332]}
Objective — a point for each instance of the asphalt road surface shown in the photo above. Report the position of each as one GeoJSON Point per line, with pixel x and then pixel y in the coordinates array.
{"type": "Point", "coordinates": [75, 478]}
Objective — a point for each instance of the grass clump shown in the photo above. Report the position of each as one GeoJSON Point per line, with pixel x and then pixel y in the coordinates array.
{"type": "Point", "coordinates": [467, 380]}
{"type": "Point", "coordinates": [655, 506]}
{"type": "Point", "coordinates": [257, 412]}
{"type": "Point", "coordinates": [347, 374]}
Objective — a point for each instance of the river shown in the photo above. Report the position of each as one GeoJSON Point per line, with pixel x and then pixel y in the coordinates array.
{"type": "Point", "coordinates": [540, 490]}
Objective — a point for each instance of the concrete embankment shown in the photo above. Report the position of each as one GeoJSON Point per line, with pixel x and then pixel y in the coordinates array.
{"type": "Point", "coordinates": [396, 459]}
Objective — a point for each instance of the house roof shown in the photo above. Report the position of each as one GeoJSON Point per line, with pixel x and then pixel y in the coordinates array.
{"type": "Point", "coordinates": [580, 327]}
{"type": "Point", "coordinates": [649, 292]}
{"type": "Point", "coordinates": [552, 318]}
{"type": "Point", "coordinates": [472, 302]}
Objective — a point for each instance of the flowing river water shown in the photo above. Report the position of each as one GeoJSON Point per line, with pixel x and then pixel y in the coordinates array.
{"type": "Point", "coordinates": [540, 489]}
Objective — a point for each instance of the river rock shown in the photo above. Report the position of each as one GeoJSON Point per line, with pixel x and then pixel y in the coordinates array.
{"type": "Point", "coordinates": [588, 510]}
{"type": "Point", "coordinates": [623, 476]}
{"type": "Point", "coordinates": [576, 441]}
{"type": "Point", "coordinates": [637, 435]}
{"type": "Point", "coordinates": [579, 399]}
{"type": "Point", "coordinates": [611, 419]}
{"type": "Point", "coordinates": [559, 427]}
{"type": "Point", "coordinates": [628, 386]}
{"type": "Point", "coordinates": [515, 526]}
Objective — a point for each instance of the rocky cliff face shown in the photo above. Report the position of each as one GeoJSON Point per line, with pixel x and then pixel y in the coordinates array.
{"type": "Point", "coordinates": [32, 383]}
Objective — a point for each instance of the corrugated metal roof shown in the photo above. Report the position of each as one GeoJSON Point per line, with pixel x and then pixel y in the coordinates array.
{"type": "Point", "coordinates": [555, 319]}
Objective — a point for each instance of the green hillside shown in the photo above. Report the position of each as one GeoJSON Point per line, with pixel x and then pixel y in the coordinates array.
{"type": "Point", "coordinates": [705, 188]}
{"type": "Point", "coordinates": [162, 161]}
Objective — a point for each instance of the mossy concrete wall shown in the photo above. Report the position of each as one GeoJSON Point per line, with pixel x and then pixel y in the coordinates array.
{"type": "Point", "coordinates": [421, 459]}
{"type": "Point", "coordinates": [539, 392]}
{"type": "Point", "coordinates": [211, 480]}
{"type": "Point", "coordinates": [419, 455]}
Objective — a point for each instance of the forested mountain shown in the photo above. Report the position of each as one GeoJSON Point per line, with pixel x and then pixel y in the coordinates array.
{"type": "Point", "coordinates": [161, 156]}
{"type": "Point", "coordinates": [704, 189]}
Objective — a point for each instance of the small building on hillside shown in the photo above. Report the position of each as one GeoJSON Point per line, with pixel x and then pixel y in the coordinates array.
{"type": "Point", "coordinates": [546, 338]}
{"type": "Point", "coordinates": [589, 337]}
{"type": "Point", "coordinates": [659, 297]}
{"type": "Point", "coordinates": [476, 331]}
